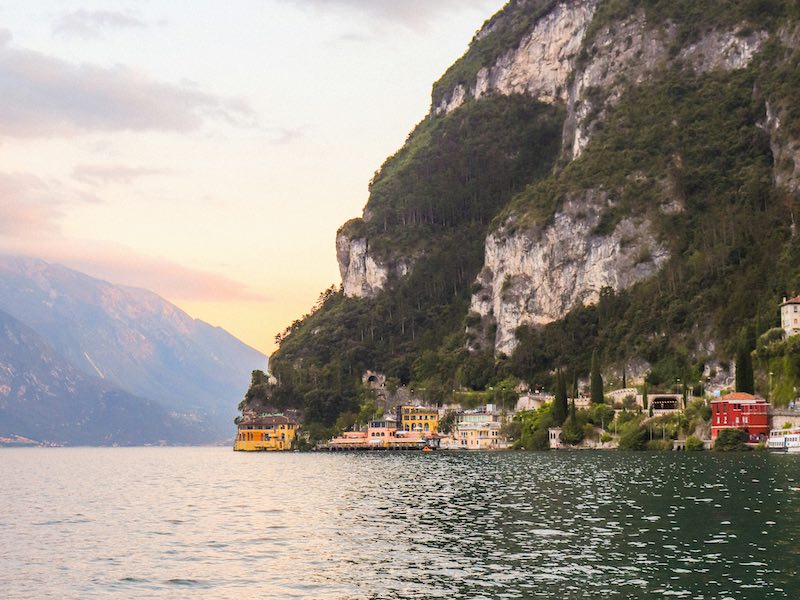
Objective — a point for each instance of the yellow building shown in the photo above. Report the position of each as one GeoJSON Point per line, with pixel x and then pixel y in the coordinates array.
{"type": "Point", "coordinates": [266, 434]}
{"type": "Point", "coordinates": [418, 418]}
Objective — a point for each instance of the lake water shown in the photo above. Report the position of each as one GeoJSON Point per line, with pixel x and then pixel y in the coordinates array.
{"type": "Point", "coordinates": [211, 523]}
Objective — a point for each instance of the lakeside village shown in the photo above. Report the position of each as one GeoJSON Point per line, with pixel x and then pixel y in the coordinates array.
{"type": "Point", "coordinates": [629, 418]}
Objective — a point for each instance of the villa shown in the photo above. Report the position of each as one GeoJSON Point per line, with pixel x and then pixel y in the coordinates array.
{"type": "Point", "coordinates": [271, 433]}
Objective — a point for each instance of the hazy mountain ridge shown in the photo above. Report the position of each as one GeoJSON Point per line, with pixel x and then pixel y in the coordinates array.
{"type": "Point", "coordinates": [132, 339]}
{"type": "Point", "coordinates": [44, 398]}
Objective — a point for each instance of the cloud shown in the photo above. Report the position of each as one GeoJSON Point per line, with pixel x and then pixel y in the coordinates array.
{"type": "Point", "coordinates": [169, 279]}
{"type": "Point", "coordinates": [43, 96]}
{"type": "Point", "coordinates": [92, 24]}
{"type": "Point", "coordinates": [121, 265]}
{"type": "Point", "coordinates": [101, 174]}
{"type": "Point", "coordinates": [28, 205]}
{"type": "Point", "coordinates": [411, 13]}
{"type": "Point", "coordinates": [30, 210]}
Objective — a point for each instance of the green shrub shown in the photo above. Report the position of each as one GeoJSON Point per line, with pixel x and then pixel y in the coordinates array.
{"type": "Point", "coordinates": [731, 440]}
{"type": "Point", "coordinates": [694, 444]}
{"type": "Point", "coordinates": [634, 438]}
{"type": "Point", "coordinates": [571, 433]}
{"type": "Point", "coordinates": [659, 445]}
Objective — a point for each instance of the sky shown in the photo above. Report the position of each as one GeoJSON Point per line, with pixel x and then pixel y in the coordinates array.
{"type": "Point", "coordinates": [209, 150]}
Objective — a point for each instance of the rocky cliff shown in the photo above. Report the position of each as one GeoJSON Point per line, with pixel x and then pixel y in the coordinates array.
{"type": "Point", "coordinates": [620, 175]}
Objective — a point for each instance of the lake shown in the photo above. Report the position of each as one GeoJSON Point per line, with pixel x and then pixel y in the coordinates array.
{"type": "Point", "coordinates": [211, 523]}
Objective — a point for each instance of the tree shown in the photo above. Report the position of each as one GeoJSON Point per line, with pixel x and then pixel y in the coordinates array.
{"type": "Point", "coordinates": [644, 395]}
{"type": "Point", "coordinates": [744, 363]}
{"type": "Point", "coordinates": [624, 378]}
{"type": "Point", "coordinates": [731, 440]}
{"type": "Point", "coordinates": [571, 432]}
{"type": "Point", "coordinates": [560, 404]}
{"type": "Point", "coordinates": [596, 381]}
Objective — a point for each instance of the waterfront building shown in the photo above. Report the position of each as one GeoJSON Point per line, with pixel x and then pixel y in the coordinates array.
{"type": "Point", "coordinates": [479, 429]}
{"type": "Point", "coordinates": [554, 437]}
{"type": "Point", "coordinates": [740, 410]}
{"type": "Point", "coordinates": [380, 432]}
{"type": "Point", "coordinates": [271, 433]}
{"type": "Point", "coordinates": [349, 440]}
{"type": "Point", "coordinates": [383, 434]}
{"type": "Point", "coordinates": [418, 418]}
{"type": "Point", "coordinates": [790, 316]}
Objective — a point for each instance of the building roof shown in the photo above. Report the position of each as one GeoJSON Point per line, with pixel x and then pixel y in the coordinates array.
{"type": "Point", "coordinates": [267, 422]}
{"type": "Point", "coordinates": [740, 397]}
{"type": "Point", "coordinates": [795, 300]}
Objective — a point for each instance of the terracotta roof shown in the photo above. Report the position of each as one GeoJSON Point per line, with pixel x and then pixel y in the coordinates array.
{"type": "Point", "coordinates": [741, 397]}
{"type": "Point", "coordinates": [795, 300]}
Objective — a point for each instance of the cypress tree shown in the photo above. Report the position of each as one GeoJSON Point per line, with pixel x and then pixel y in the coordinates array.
{"type": "Point", "coordinates": [596, 381]}
{"type": "Point", "coordinates": [560, 404]}
{"type": "Point", "coordinates": [744, 364]}
{"type": "Point", "coordinates": [624, 377]}
{"type": "Point", "coordinates": [644, 395]}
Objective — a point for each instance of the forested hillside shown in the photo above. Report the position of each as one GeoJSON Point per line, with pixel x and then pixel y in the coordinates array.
{"type": "Point", "coordinates": [612, 175]}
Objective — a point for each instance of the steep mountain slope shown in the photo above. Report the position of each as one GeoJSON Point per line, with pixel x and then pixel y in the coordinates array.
{"type": "Point", "coordinates": [44, 398]}
{"type": "Point", "coordinates": [132, 339]}
{"type": "Point", "coordinates": [657, 227]}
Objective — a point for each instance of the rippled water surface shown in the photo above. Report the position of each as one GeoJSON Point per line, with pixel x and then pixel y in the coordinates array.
{"type": "Point", "coordinates": [208, 522]}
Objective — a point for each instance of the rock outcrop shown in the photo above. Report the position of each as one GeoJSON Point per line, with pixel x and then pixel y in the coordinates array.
{"type": "Point", "coordinates": [541, 64]}
{"type": "Point", "coordinates": [362, 276]}
{"type": "Point", "coordinates": [535, 276]}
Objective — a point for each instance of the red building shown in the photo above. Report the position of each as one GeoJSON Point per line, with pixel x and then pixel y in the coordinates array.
{"type": "Point", "coordinates": [740, 411]}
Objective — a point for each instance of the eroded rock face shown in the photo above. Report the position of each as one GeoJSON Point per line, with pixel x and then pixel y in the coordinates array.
{"type": "Point", "coordinates": [785, 152]}
{"type": "Point", "coordinates": [628, 55]}
{"type": "Point", "coordinates": [541, 63]}
{"type": "Point", "coordinates": [362, 276]}
{"type": "Point", "coordinates": [537, 276]}
{"type": "Point", "coordinates": [548, 66]}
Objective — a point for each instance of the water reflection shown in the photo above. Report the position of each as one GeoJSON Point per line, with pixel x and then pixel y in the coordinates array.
{"type": "Point", "coordinates": [211, 523]}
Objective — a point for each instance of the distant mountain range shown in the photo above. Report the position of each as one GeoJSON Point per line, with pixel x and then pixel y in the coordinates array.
{"type": "Point", "coordinates": [88, 362]}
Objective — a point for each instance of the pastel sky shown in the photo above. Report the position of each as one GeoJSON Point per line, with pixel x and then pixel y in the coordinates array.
{"type": "Point", "coordinates": [210, 150]}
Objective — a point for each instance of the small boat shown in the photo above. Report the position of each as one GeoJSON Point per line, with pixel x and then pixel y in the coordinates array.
{"type": "Point", "coordinates": [427, 449]}
{"type": "Point", "coordinates": [785, 440]}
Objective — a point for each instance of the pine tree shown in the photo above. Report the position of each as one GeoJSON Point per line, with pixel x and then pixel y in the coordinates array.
{"type": "Point", "coordinates": [596, 381]}
{"type": "Point", "coordinates": [560, 403]}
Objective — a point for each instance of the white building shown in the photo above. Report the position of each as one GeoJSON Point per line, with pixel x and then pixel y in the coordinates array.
{"type": "Point", "coordinates": [554, 436]}
{"type": "Point", "coordinates": [790, 316]}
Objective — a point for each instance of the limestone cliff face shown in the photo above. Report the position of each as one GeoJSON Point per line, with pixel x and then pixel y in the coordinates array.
{"type": "Point", "coordinates": [540, 65]}
{"type": "Point", "coordinates": [535, 276]}
{"type": "Point", "coordinates": [555, 63]}
{"type": "Point", "coordinates": [362, 275]}
{"type": "Point", "coordinates": [629, 54]}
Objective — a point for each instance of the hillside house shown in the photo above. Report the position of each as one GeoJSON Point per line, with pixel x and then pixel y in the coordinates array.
{"type": "Point", "coordinates": [790, 316]}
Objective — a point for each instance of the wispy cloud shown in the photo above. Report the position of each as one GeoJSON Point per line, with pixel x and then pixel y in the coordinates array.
{"type": "Point", "coordinates": [31, 208]}
{"type": "Point", "coordinates": [122, 265]}
{"type": "Point", "coordinates": [92, 24]}
{"type": "Point", "coordinates": [167, 278]}
{"type": "Point", "coordinates": [46, 96]}
{"type": "Point", "coordinates": [411, 13]}
{"type": "Point", "coordinates": [29, 205]}
{"type": "Point", "coordinates": [101, 174]}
